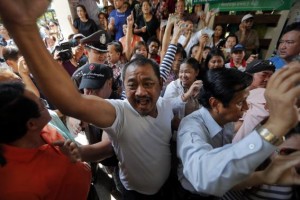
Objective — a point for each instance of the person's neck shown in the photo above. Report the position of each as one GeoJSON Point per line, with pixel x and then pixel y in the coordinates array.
{"type": "Point", "coordinates": [237, 63]}
{"type": "Point", "coordinates": [84, 19]}
{"type": "Point", "coordinates": [121, 10]}
{"type": "Point", "coordinates": [147, 15]}
{"type": "Point", "coordinates": [30, 140]}
{"type": "Point", "coordinates": [218, 118]}
{"type": "Point", "coordinates": [152, 55]}
{"type": "Point", "coordinates": [216, 38]}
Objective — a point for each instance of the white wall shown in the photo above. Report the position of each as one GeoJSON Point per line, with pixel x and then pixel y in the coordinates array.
{"type": "Point", "coordinates": [62, 10]}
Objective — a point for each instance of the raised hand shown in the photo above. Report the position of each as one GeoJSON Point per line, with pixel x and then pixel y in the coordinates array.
{"type": "Point", "coordinates": [130, 20]}
{"type": "Point", "coordinates": [242, 27]}
{"type": "Point", "coordinates": [194, 89]}
{"type": "Point", "coordinates": [22, 66]}
{"type": "Point", "coordinates": [69, 18]}
{"type": "Point", "coordinates": [70, 149]}
{"type": "Point", "coordinates": [282, 93]}
{"type": "Point", "coordinates": [203, 39]}
{"type": "Point", "coordinates": [22, 12]}
{"type": "Point", "coordinates": [282, 170]}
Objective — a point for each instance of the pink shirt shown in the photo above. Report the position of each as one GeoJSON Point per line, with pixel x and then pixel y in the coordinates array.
{"type": "Point", "coordinates": [254, 115]}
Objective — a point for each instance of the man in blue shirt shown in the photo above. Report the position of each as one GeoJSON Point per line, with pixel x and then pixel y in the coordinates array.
{"type": "Point", "coordinates": [117, 18]}
{"type": "Point", "coordinates": [288, 46]}
{"type": "Point", "coordinates": [210, 165]}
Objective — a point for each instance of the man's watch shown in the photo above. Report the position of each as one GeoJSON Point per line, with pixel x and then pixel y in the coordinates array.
{"type": "Point", "coordinates": [270, 137]}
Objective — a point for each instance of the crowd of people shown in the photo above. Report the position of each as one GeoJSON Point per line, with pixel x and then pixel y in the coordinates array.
{"type": "Point", "coordinates": [171, 108]}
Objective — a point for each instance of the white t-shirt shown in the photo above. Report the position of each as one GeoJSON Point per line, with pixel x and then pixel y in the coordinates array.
{"type": "Point", "coordinates": [142, 145]}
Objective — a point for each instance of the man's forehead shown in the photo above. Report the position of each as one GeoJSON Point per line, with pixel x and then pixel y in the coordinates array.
{"type": "Point", "coordinates": [242, 94]}
{"type": "Point", "coordinates": [292, 35]}
{"type": "Point", "coordinates": [134, 70]}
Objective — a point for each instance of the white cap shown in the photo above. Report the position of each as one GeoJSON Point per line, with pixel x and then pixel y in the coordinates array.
{"type": "Point", "coordinates": [248, 16]}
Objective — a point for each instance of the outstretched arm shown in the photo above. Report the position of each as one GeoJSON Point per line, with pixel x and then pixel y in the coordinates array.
{"type": "Point", "coordinates": [129, 36]}
{"type": "Point", "coordinates": [281, 171]}
{"type": "Point", "coordinates": [75, 30]}
{"type": "Point", "coordinates": [20, 19]}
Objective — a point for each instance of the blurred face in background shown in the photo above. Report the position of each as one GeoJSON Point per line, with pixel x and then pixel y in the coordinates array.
{"type": "Point", "coordinates": [118, 4]}
{"type": "Point", "coordinates": [146, 7]}
{"type": "Point", "coordinates": [248, 23]}
{"type": "Point", "coordinates": [153, 48]}
{"type": "Point", "coordinates": [216, 62]}
{"type": "Point", "coordinates": [112, 55]}
{"type": "Point", "coordinates": [218, 31]}
{"type": "Point", "coordinates": [180, 7]}
{"type": "Point", "coordinates": [289, 45]}
{"type": "Point", "coordinates": [230, 42]}
{"type": "Point", "coordinates": [177, 61]}
{"type": "Point", "coordinates": [260, 79]}
{"type": "Point", "coordinates": [238, 56]}
{"type": "Point", "coordinates": [205, 53]}
{"type": "Point", "coordinates": [81, 12]}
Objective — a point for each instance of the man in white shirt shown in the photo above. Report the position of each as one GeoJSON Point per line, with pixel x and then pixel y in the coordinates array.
{"type": "Point", "coordinates": [140, 127]}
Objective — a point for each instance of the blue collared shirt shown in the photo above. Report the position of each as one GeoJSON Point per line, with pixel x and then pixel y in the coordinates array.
{"type": "Point", "coordinates": [209, 164]}
{"type": "Point", "coordinates": [278, 62]}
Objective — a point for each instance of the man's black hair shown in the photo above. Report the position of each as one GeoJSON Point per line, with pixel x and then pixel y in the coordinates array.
{"type": "Point", "coordinates": [153, 39]}
{"type": "Point", "coordinates": [141, 62]}
{"type": "Point", "coordinates": [15, 111]}
{"type": "Point", "coordinates": [292, 27]}
{"type": "Point", "coordinates": [192, 62]}
{"type": "Point", "coordinates": [11, 53]}
{"type": "Point", "coordinates": [223, 84]}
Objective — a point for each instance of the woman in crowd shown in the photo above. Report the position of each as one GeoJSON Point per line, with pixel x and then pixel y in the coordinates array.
{"type": "Point", "coordinates": [83, 24]}
{"type": "Point", "coordinates": [134, 39]}
{"type": "Point", "coordinates": [230, 41]}
{"type": "Point", "coordinates": [197, 12]}
{"type": "Point", "coordinates": [141, 48]}
{"type": "Point", "coordinates": [147, 24]}
{"type": "Point", "coordinates": [218, 36]}
{"type": "Point", "coordinates": [103, 21]}
{"type": "Point", "coordinates": [214, 59]}
{"type": "Point", "coordinates": [188, 72]}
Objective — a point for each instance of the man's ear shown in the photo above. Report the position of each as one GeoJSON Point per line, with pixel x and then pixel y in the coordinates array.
{"type": "Point", "coordinates": [31, 124]}
{"type": "Point", "coordinates": [88, 91]}
{"type": "Point", "coordinates": [110, 82]}
{"type": "Point", "coordinates": [9, 62]}
{"type": "Point", "coordinates": [86, 52]}
{"type": "Point", "coordinates": [214, 104]}
{"type": "Point", "coordinates": [161, 82]}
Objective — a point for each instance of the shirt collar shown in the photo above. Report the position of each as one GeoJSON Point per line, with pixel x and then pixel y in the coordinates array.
{"type": "Point", "coordinates": [213, 127]}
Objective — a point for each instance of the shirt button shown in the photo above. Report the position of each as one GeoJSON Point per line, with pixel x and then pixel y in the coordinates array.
{"type": "Point", "coordinates": [251, 146]}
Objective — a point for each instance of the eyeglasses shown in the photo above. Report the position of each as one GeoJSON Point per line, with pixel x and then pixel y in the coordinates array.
{"type": "Point", "coordinates": [286, 151]}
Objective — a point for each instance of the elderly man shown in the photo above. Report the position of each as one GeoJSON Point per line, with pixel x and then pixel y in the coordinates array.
{"type": "Point", "coordinates": [261, 71]}
{"type": "Point", "coordinates": [139, 127]}
{"type": "Point", "coordinates": [248, 36]}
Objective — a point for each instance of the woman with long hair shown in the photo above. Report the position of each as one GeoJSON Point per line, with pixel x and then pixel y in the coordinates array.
{"type": "Point", "coordinates": [82, 24]}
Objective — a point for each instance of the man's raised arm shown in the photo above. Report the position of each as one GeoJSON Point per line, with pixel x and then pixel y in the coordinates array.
{"type": "Point", "coordinates": [19, 17]}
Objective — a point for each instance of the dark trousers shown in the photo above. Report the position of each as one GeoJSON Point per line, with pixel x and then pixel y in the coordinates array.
{"type": "Point", "coordinates": [165, 193]}
{"type": "Point", "coordinates": [184, 194]}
